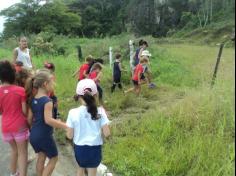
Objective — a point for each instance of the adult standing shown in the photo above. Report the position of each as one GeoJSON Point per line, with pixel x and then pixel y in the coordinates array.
{"type": "Point", "coordinates": [22, 54]}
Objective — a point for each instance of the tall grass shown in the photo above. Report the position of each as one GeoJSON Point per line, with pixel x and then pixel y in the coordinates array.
{"type": "Point", "coordinates": [181, 128]}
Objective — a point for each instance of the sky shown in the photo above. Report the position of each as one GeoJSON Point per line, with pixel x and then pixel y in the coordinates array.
{"type": "Point", "coordinates": [5, 4]}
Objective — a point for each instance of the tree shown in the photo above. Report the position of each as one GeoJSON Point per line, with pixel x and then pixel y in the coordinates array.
{"type": "Point", "coordinates": [30, 16]}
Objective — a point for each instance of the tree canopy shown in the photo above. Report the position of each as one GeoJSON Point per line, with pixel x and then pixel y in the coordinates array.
{"type": "Point", "coordinates": [99, 18]}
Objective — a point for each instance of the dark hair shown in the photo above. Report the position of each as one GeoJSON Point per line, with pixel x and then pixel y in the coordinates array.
{"type": "Point", "coordinates": [118, 56]}
{"type": "Point", "coordinates": [49, 66]}
{"type": "Point", "coordinates": [19, 63]}
{"type": "Point", "coordinates": [90, 103]}
{"type": "Point", "coordinates": [89, 59]}
{"type": "Point", "coordinates": [7, 72]}
{"type": "Point", "coordinates": [21, 77]}
{"type": "Point", "coordinates": [141, 42]}
{"type": "Point", "coordinates": [99, 60]}
{"type": "Point", "coordinates": [145, 43]}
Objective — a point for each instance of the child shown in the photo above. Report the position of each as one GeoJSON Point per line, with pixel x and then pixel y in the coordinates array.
{"type": "Point", "coordinates": [18, 66]}
{"type": "Point", "coordinates": [82, 73]}
{"type": "Point", "coordinates": [96, 74]}
{"type": "Point", "coordinates": [22, 54]}
{"type": "Point", "coordinates": [147, 70]}
{"type": "Point", "coordinates": [41, 119]}
{"type": "Point", "coordinates": [85, 125]}
{"type": "Point", "coordinates": [137, 77]}
{"type": "Point", "coordinates": [143, 45]}
{"type": "Point", "coordinates": [15, 129]}
{"type": "Point", "coordinates": [51, 67]}
{"type": "Point", "coordinates": [21, 77]}
{"type": "Point", "coordinates": [117, 69]}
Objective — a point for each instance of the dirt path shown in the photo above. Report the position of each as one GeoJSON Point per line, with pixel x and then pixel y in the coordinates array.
{"type": "Point", "coordinates": [66, 165]}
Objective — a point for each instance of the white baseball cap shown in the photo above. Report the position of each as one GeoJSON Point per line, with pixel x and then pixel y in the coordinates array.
{"type": "Point", "coordinates": [86, 85]}
{"type": "Point", "coordinates": [146, 53]}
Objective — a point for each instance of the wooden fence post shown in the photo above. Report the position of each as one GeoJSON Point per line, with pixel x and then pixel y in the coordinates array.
{"type": "Point", "coordinates": [217, 64]}
{"type": "Point", "coordinates": [110, 56]}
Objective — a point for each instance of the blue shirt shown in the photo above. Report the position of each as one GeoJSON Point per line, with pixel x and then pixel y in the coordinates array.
{"type": "Point", "coordinates": [40, 129]}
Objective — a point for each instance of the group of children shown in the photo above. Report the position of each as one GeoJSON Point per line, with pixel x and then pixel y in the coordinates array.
{"type": "Point", "coordinates": [28, 106]}
{"type": "Point", "coordinates": [141, 73]}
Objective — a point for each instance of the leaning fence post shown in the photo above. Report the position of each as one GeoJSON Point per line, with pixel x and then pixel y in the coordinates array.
{"type": "Point", "coordinates": [217, 64]}
{"type": "Point", "coordinates": [110, 56]}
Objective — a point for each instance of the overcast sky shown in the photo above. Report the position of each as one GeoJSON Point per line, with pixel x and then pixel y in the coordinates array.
{"type": "Point", "coordinates": [4, 4]}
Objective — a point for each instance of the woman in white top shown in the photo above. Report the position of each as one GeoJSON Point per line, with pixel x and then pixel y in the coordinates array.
{"type": "Point", "coordinates": [86, 125]}
{"type": "Point", "coordinates": [22, 54]}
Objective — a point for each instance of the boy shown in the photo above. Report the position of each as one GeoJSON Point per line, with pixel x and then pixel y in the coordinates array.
{"type": "Point", "coordinates": [82, 73]}
{"type": "Point", "coordinates": [117, 69]}
{"type": "Point", "coordinates": [95, 75]}
{"type": "Point", "coordinates": [137, 76]}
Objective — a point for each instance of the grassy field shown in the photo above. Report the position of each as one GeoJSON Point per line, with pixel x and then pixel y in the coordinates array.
{"type": "Point", "coordinates": [181, 128]}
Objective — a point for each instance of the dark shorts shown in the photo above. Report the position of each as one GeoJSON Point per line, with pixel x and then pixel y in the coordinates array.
{"type": "Point", "coordinates": [142, 77]}
{"type": "Point", "coordinates": [45, 145]}
{"type": "Point", "coordinates": [117, 80]}
{"type": "Point", "coordinates": [135, 83]}
{"type": "Point", "coordinates": [88, 156]}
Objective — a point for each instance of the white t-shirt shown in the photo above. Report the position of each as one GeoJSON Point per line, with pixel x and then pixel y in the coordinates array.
{"type": "Point", "coordinates": [86, 131]}
{"type": "Point", "coordinates": [24, 57]}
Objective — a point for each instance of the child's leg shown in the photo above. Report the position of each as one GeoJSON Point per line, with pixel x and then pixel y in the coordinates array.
{"type": "Point", "coordinates": [120, 86]}
{"type": "Point", "coordinates": [113, 87]}
{"type": "Point", "coordinates": [130, 90]}
{"type": "Point", "coordinates": [22, 148]}
{"type": "Point", "coordinates": [100, 92]}
{"type": "Point", "coordinates": [50, 166]}
{"type": "Point", "coordinates": [92, 171]}
{"type": "Point", "coordinates": [138, 89]}
{"type": "Point", "coordinates": [80, 171]}
{"type": "Point", "coordinates": [40, 163]}
{"type": "Point", "coordinates": [14, 157]}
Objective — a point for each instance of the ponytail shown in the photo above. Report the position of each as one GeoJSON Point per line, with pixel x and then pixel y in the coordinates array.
{"type": "Point", "coordinates": [34, 83]}
{"type": "Point", "coordinates": [30, 90]}
{"type": "Point", "coordinates": [91, 105]}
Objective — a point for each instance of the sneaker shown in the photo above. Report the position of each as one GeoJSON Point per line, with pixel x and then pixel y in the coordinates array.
{"type": "Point", "coordinates": [152, 86]}
{"type": "Point", "coordinates": [16, 174]}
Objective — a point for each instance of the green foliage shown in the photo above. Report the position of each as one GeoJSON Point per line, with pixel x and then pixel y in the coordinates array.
{"type": "Point", "coordinates": [181, 128]}
{"type": "Point", "coordinates": [30, 16]}
{"type": "Point", "coordinates": [93, 18]}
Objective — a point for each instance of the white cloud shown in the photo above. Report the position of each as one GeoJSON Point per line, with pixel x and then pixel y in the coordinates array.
{"type": "Point", "coordinates": [3, 5]}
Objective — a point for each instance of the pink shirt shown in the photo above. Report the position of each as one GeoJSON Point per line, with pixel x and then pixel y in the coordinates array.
{"type": "Point", "coordinates": [11, 99]}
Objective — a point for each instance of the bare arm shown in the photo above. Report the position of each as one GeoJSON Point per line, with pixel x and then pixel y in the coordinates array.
{"type": "Point", "coordinates": [31, 60]}
{"type": "Point", "coordinates": [139, 77]}
{"type": "Point", "coordinates": [106, 131]}
{"type": "Point", "coordinates": [49, 118]}
{"type": "Point", "coordinates": [24, 108]}
{"type": "Point", "coordinates": [70, 133]}
{"type": "Point", "coordinates": [15, 54]}
{"type": "Point", "coordinates": [140, 53]}
{"type": "Point", "coordinates": [120, 67]}
{"type": "Point", "coordinates": [85, 74]}
{"type": "Point", "coordinates": [98, 77]}
{"type": "Point", "coordinates": [30, 117]}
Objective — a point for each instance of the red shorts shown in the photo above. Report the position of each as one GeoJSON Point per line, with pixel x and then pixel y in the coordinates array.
{"type": "Point", "coordinates": [18, 137]}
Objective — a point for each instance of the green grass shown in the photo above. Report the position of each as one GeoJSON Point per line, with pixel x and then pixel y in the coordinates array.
{"type": "Point", "coordinates": [182, 128]}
